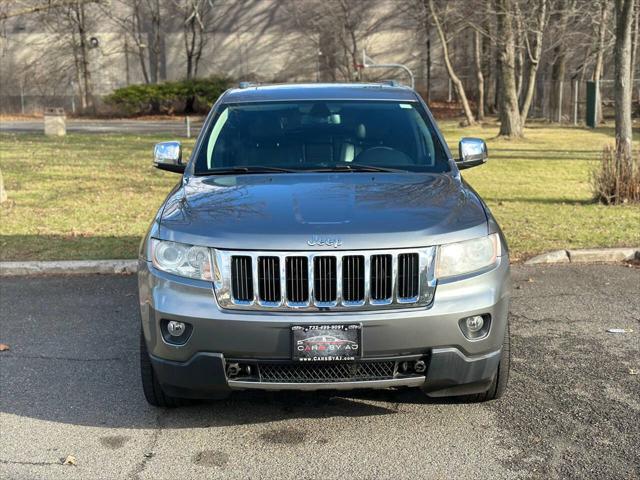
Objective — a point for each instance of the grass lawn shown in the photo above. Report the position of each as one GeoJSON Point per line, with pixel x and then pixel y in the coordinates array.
{"type": "Point", "coordinates": [89, 196]}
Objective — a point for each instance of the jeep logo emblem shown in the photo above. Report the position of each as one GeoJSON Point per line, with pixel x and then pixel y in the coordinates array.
{"type": "Point", "coordinates": [317, 241]}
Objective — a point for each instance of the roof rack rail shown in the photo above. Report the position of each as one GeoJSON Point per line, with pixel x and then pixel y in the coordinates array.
{"type": "Point", "coordinates": [391, 83]}
{"type": "Point", "coordinates": [248, 84]}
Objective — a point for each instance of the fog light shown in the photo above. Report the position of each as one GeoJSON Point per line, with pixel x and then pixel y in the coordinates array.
{"type": "Point", "coordinates": [475, 327]}
{"type": "Point", "coordinates": [176, 329]}
{"type": "Point", "coordinates": [474, 324]}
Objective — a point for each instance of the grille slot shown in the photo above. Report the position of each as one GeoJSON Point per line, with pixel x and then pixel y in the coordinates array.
{"type": "Point", "coordinates": [241, 278]}
{"type": "Point", "coordinates": [353, 278]}
{"type": "Point", "coordinates": [408, 275]}
{"type": "Point", "coordinates": [381, 277]}
{"type": "Point", "coordinates": [324, 279]}
{"type": "Point", "coordinates": [323, 373]}
{"type": "Point", "coordinates": [297, 279]}
{"type": "Point", "coordinates": [269, 279]}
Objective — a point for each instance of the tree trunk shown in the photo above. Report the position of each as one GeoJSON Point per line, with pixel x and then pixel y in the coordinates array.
{"type": "Point", "coordinates": [510, 123]}
{"type": "Point", "coordinates": [137, 35]}
{"type": "Point", "coordinates": [634, 45]}
{"type": "Point", "coordinates": [622, 82]}
{"type": "Point", "coordinates": [87, 89]}
{"type": "Point", "coordinates": [519, 61]}
{"type": "Point", "coordinates": [426, 28]}
{"type": "Point", "coordinates": [497, 93]}
{"type": "Point", "coordinates": [557, 84]}
{"type": "Point", "coordinates": [534, 59]}
{"type": "Point", "coordinates": [154, 36]}
{"type": "Point", "coordinates": [477, 48]}
{"type": "Point", "coordinates": [452, 74]}
{"type": "Point", "coordinates": [488, 53]}
{"type": "Point", "coordinates": [597, 69]}
{"type": "Point", "coordinates": [559, 65]}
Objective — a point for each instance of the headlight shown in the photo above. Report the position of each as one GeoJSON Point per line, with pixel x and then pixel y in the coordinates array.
{"type": "Point", "coordinates": [469, 256]}
{"type": "Point", "coordinates": [181, 259]}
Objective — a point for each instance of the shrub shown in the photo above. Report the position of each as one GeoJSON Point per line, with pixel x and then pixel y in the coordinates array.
{"type": "Point", "coordinates": [168, 97]}
{"type": "Point", "coordinates": [617, 180]}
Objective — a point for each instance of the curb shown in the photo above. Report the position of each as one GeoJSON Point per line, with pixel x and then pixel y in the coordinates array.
{"type": "Point", "coordinates": [586, 255]}
{"type": "Point", "coordinates": [71, 267]}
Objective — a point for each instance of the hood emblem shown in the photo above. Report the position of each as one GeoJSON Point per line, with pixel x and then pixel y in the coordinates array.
{"type": "Point", "coordinates": [318, 241]}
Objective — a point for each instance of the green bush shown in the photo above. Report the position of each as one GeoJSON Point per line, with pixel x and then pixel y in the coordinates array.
{"type": "Point", "coordinates": [169, 97]}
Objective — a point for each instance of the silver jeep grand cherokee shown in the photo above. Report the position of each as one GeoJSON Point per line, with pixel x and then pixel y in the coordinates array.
{"type": "Point", "coordinates": [321, 237]}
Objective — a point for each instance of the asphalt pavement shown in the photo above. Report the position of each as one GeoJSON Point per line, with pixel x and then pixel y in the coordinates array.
{"type": "Point", "coordinates": [69, 385]}
{"type": "Point", "coordinates": [175, 126]}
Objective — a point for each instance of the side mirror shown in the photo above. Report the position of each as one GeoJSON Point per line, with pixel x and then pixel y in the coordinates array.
{"type": "Point", "coordinates": [473, 152]}
{"type": "Point", "coordinates": [168, 156]}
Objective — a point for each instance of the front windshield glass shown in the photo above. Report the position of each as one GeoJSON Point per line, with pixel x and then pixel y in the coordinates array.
{"type": "Point", "coordinates": [321, 135]}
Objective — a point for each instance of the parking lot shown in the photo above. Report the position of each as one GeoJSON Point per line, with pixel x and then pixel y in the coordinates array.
{"type": "Point", "coordinates": [70, 386]}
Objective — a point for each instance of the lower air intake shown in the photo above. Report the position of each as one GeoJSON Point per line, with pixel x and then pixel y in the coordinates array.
{"type": "Point", "coordinates": [323, 373]}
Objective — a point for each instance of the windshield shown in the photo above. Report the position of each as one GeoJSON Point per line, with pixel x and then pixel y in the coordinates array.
{"type": "Point", "coordinates": [321, 135]}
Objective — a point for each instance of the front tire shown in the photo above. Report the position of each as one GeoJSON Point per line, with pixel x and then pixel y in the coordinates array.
{"type": "Point", "coordinates": [152, 389]}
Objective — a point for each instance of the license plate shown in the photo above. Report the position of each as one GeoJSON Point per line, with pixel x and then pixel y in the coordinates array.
{"type": "Point", "coordinates": [326, 343]}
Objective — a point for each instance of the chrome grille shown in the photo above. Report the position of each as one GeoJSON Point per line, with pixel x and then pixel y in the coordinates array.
{"type": "Point", "coordinates": [312, 281]}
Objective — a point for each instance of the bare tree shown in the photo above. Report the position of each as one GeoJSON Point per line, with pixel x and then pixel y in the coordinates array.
{"type": "Point", "coordinates": [562, 17]}
{"type": "Point", "coordinates": [425, 26]}
{"type": "Point", "coordinates": [634, 46]}
{"type": "Point", "coordinates": [597, 69]}
{"type": "Point", "coordinates": [196, 16]}
{"type": "Point", "coordinates": [477, 56]}
{"type": "Point", "coordinates": [338, 30]}
{"type": "Point", "coordinates": [622, 82]}
{"type": "Point", "coordinates": [449, 65]}
{"type": "Point", "coordinates": [534, 53]}
{"type": "Point", "coordinates": [20, 9]}
{"type": "Point", "coordinates": [72, 22]}
{"type": "Point", "coordinates": [510, 123]}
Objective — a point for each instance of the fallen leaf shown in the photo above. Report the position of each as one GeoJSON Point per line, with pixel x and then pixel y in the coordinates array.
{"type": "Point", "coordinates": [3, 347]}
{"type": "Point", "coordinates": [70, 460]}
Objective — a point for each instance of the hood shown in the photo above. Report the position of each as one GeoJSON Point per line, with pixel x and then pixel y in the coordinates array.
{"type": "Point", "coordinates": [318, 211]}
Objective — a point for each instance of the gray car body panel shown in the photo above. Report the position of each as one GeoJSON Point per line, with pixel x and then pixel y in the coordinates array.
{"type": "Point", "coordinates": [282, 212]}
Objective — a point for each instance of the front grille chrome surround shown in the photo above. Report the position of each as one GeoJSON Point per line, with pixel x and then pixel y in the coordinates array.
{"type": "Point", "coordinates": [335, 280]}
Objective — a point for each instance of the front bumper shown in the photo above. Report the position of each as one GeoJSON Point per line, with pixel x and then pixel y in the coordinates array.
{"type": "Point", "coordinates": [449, 373]}
{"type": "Point", "coordinates": [197, 369]}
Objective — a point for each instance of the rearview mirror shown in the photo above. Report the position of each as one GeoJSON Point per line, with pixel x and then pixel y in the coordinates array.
{"type": "Point", "coordinates": [473, 152]}
{"type": "Point", "coordinates": [168, 156]}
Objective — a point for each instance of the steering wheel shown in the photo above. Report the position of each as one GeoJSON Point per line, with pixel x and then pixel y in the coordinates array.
{"type": "Point", "coordinates": [382, 155]}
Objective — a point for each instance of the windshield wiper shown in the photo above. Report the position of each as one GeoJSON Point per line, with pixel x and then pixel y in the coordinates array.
{"type": "Point", "coordinates": [247, 169]}
{"type": "Point", "coordinates": [355, 167]}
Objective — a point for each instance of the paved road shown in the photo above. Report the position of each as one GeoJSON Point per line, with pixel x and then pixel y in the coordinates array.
{"type": "Point", "coordinates": [169, 127]}
{"type": "Point", "coordinates": [69, 386]}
